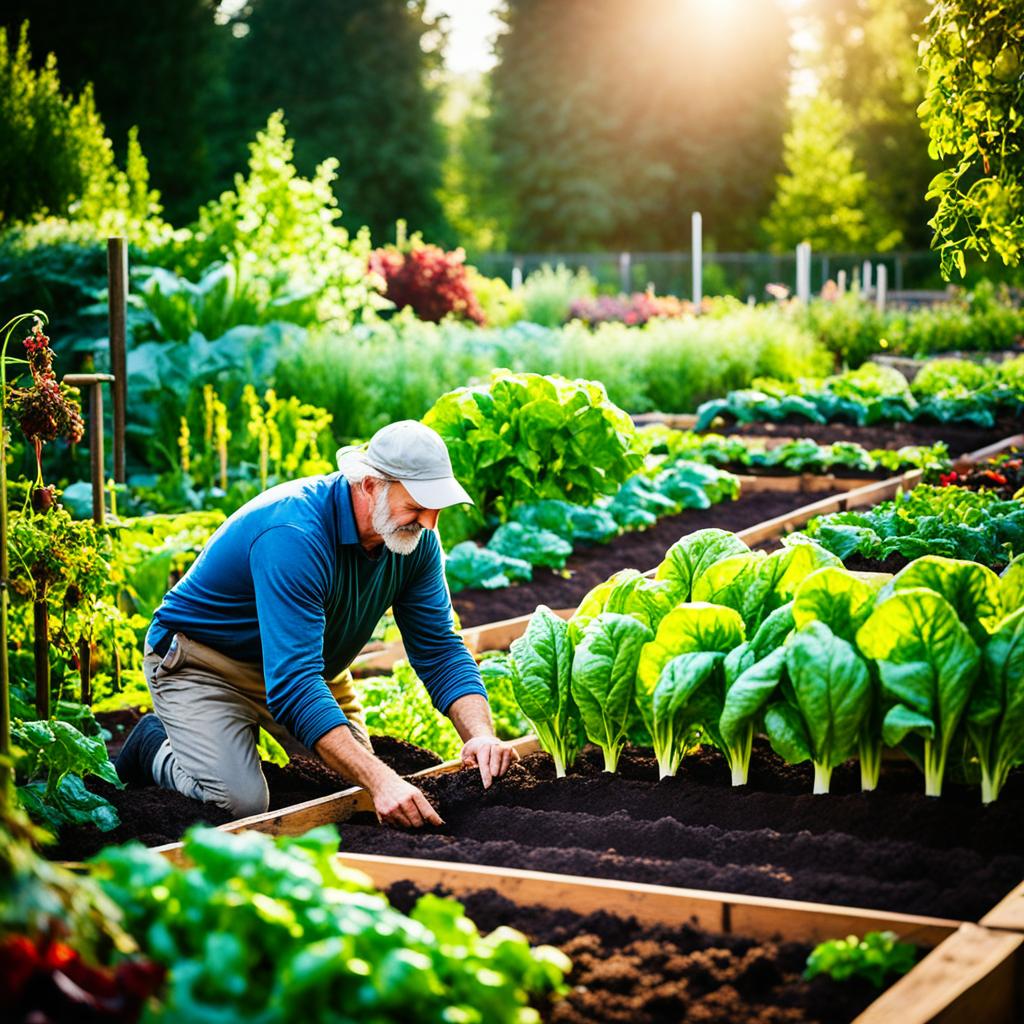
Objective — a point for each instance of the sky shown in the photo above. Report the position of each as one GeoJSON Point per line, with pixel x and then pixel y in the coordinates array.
{"type": "Point", "coordinates": [472, 24]}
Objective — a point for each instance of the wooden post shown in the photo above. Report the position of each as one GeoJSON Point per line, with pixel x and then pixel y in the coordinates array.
{"type": "Point", "coordinates": [865, 279]}
{"type": "Point", "coordinates": [883, 281]}
{"type": "Point", "coordinates": [117, 302]}
{"type": "Point", "coordinates": [697, 238]}
{"type": "Point", "coordinates": [94, 382]}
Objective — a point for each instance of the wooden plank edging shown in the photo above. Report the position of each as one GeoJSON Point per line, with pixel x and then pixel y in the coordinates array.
{"type": "Point", "coordinates": [754, 916]}
{"type": "Point", "coordinates": [1008, 914]}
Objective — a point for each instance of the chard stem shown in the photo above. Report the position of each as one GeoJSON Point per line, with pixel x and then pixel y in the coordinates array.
{"type": "Point", "coordinates": [822, 777]}
{"type": "Point", "coordinates": [870, 764]}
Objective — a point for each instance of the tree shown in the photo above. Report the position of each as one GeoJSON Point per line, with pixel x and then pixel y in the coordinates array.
{"type": "Point", "coordinates": [355, 81]}
{"type": "Point", "coordinates": [613, 120]}
{"type": "Point", "coordinates": [974, 114]}
{"type": "Point", "coordinates": [56, 158]}
{"type": "Point", "coordinates": [824, 196]}
{"type": "Point", "coordinates": [159, 65]}
{"type": "Point", "coordinates": [868, 61]}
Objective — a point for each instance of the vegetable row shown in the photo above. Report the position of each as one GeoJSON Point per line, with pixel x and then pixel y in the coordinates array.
{"type": "Point", "coordinates": [724, 643]}
{"type": "Point", "coordinates": [945, 391]}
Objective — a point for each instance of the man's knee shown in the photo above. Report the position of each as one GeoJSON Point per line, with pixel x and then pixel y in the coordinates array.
{"type": "Point", "coordinates": [245, 798]}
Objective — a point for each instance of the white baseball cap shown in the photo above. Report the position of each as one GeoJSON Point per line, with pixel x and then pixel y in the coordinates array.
{"type": "Point", "coordinates": [415, 456]}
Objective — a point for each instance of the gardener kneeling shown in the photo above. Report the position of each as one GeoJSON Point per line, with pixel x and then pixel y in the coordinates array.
{"type": "Point", "coordinates": [285, 594]}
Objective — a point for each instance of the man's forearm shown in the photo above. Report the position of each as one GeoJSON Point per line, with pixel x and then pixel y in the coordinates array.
{"type": "Point", "coordinates": [340, 750]}
{"type": "Point", "coordinates": [471, 716]}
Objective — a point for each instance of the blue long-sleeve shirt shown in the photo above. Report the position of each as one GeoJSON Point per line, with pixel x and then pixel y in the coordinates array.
{"type": "Point", "coordinates": [285, 582]}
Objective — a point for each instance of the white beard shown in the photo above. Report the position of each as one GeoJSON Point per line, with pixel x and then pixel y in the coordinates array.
{"type": "Point", "coordinates": [402, 540]}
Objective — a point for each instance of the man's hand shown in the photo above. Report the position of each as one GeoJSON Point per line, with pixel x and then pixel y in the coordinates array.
{"type": "Point", "coordinates": [398, 802]}
{"type": "Point", "coordinates": [490, 755]}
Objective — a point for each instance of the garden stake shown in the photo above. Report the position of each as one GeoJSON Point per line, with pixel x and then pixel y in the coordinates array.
{"type": "Point", "coordinates": [94, 382]}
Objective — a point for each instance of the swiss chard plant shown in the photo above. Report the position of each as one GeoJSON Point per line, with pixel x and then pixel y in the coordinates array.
{"type": "Point", "coordinates": [692, 555]}
{"type": "Point", "coordinates": [928, 663]}
{"type": "Point", "coordinates": [681, 680]}
{"type": "Point", "coordinates": [843, 602]}
{"type": "Point", "coordinates": [603, 681]}
{"type": "Point", "coordinates": [542, 662]}
{"type": "Point", "coordinates": [826, 699]}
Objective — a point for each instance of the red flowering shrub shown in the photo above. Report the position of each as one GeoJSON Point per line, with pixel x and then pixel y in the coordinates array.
{"type": "Point", "coordinates": [431, 281]}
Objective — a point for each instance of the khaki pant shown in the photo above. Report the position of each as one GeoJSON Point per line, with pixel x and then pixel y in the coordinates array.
{"type": "Point", "coordinates": [212, 708]}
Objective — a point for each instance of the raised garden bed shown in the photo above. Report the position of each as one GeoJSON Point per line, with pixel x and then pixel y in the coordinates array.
{"type": "Point", "coordinates": [893, 850]}
{"type": "Point", "coordinates": [959, 438]}
{"type": "Point", "coordinates": [641, 974]}
{"type": "Point", "coordinates": [592, 565]}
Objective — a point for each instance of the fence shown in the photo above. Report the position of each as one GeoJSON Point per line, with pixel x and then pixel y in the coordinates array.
{"type": "Point", "coordinates": [742, 274]}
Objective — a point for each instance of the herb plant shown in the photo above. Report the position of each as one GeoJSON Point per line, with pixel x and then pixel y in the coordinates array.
{"type": "Point", "coordinates": [873, 957]}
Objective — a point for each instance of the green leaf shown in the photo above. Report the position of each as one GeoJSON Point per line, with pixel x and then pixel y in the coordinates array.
{"type": "Point", "coordinates": [690, 628]}
{"type": "Point", "coordinates": [784, 726]}
{"type": "Point", "coordinates": [835, 597]}
{"type": "Point", "coordinates": [604, 679]}
{"type": "Point", "coordinates": [693, 554]}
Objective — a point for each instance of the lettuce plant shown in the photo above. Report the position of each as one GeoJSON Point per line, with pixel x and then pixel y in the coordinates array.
{"type": "Point", "coordinates": [753, 673]}
{"type": "Point", "coordinates": [928, 664]}
{"type": "Point", "coordinates": [604, 679]}
{"type": "Point", "coordinates": [843, 602]}
{"type": "Point", "coordinates": [681, 681]}
{"type": "Point", "coordinates": [692, 555]}
{"type": "Point", "coordinates": [542, 660]}
{"type": "Point", "coordinates": [995, 715]}
{"type": "Point", "coordinates": [827, 699]}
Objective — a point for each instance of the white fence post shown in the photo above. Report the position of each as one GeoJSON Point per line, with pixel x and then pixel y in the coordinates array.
{"type": "Point", "coordinates": [517, 274]}
{"type": "Point", "coordinates": [841, 282]}
{"type": "Point", "coordinates": [696, 229]}
{"type": "Point", "coordinates": [803, 271]}
{"type": "Point", "coordinates": [865, 278]}
{"type": "Point", "coordinates": [625, 275]}
{"type": "Point", "coordinates": [882, 278]}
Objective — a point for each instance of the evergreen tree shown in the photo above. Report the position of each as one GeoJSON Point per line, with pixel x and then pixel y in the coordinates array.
{"type": "Point", "coordinates": [613, 120]}
{"type": "Point", "coordinates": [824, 196]}
{"type": "Point", "coordinates": [355, 79]}
{"type": "Point", "coordinates": [159, 65]}
{"type": "Point", "coordinates": [56, 159]}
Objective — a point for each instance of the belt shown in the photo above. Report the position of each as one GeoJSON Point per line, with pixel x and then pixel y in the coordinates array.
{"type": "Point", "coordinates": [163, 645]}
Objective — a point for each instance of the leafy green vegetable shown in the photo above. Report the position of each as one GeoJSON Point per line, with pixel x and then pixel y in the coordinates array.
{"type": "Point", "coordinates": [874, 957]}
{"type": "Point", "coordinates": [928, 665]}
{"type": "Point", "coordinates": [524, 437]}
{"type": "Point", "coordinates": [692, 555]}
{"type": "Point", "coordinates": [995, 715]}
{"type": "Point", "coordinates": [470, 565]}
{"type": "Point", "coordinates": [498, 676]}
{"type": "Point", "coordinates": [681, 681]}
{"type": "Point", "coordinates": [542, 658]}
{"type": "Point", "coordinates": [538, 547]}
{"type": "Point", "coordinates": [64, 754]}
{"type": "Point", "coordinates": [277, 930]}
{"type": "Point", "coordinates": [828, 698]}
{"type": "Point", "coordinates": [604, 679]}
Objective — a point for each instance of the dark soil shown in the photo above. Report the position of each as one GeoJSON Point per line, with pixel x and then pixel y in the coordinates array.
{"type": "Point", "coordinates": [627, 973]}
{"type": "Point", "coordinates": [641, 550]}
{"type": "Point", "coordinates": [893, 849]}
{"type": "Point", "coordinates": [156, 816]}
{"type": "Point", "coordinates": [841, 472]}
{"type": "Point", "coordinates": [959, 438]}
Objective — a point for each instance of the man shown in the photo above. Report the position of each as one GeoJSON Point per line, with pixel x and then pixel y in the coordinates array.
{"type": "Point", "coordinates": [282, 598]}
